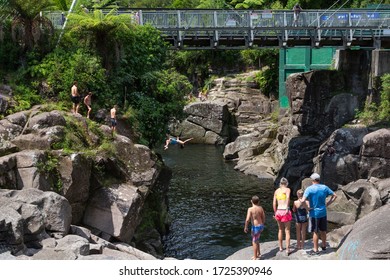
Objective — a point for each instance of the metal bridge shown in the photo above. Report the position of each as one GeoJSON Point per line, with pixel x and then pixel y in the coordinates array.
{"type": "Point", "coordinates": [240, 29]}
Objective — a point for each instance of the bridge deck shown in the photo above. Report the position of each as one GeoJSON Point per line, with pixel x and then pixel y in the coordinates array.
{"type": "Point", "coordinates": [229, 29]}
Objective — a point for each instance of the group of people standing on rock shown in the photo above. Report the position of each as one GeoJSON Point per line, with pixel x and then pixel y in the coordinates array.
{"type": "Point", "coordinates": [309, 211]}
{"type": "Point", "coordinates": [87, 100]}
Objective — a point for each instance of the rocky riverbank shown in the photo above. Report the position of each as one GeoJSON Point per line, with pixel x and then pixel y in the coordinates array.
{"type": "Point", "coordinates": [68, 188]}
{"type": "Point", "coordinates": [319, 133]}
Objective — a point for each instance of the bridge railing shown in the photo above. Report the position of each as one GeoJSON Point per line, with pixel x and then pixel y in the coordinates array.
{"type": "Point", "coordinates": [172, 19]}
{"type": "Point", "coordinates": [249, 25]}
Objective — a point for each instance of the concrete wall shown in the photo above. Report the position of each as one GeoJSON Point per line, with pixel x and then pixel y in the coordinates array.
{"type": "Point", "coordinates": [380, 62]}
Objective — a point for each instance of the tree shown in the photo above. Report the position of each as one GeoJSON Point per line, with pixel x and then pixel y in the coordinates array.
{"type": "Point", "coordinates": [247, 4]}
{"type": "Point", "coordinates": [150, 3]}
{"type": "Point", "coordinates": [100, 31]}
{"type": "Point", "coordinates": [28, 23]}
{"type": "Point", "coordinates": [185, 4]}
{"type": "Point", "coordinates": [211, 4]}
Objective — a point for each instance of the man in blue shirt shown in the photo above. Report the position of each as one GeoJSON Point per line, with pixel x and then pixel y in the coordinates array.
{"type": "Point", "coordinates": [317, 194]}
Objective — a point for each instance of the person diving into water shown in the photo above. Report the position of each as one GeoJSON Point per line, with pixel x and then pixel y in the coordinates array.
{"type": "Point", "coordinates": [175, 140]}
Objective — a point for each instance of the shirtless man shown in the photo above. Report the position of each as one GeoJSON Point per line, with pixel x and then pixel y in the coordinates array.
{"type": "Point", "coordinates": [87, 102]}
{"type": "Point", "coordinates": [113, 118]}
{"type": "Point", "coordinates": [75, 98]}
{"type": "Point", "coordinates": [256, 217]}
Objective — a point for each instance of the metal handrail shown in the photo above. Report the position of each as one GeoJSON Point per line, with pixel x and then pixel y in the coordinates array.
{"type": "Point", "coordinates": [253, 25]}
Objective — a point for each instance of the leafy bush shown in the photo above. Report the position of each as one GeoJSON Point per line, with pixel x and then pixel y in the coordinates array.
{"type": "Point", "coordinates": [60, 68]}
{"type": "Point", "coordinates": [267, 81]}
{"type": "Point", "coordinates": [25, 98]}
{"type": "Point", "coordinates": [374, 113]}
{"type": "Point", "coordinates": [384, 108]}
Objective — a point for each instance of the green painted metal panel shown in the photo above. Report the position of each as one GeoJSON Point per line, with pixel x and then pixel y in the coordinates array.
{"type": "Point", "coordinates": [301, 59]}
{"type": "Point", "coordinates": [295, 56]}
{"type": "Point", "coordinates": [321, 56]}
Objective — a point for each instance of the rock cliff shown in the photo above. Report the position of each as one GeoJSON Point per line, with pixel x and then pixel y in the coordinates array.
{"type": "Point", "coordinates": [61, 174]}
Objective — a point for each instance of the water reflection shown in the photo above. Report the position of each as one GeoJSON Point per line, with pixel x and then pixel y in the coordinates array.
{"type": "Point", "coordinates": [208, 200]}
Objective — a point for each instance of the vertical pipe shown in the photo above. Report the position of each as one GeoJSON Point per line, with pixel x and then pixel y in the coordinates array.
{"type": "Point", "coordinates": [140, 18]}
{"type": "Point", "coordinates": [66, 20]}
{"type": "Point", "coordinates": [216, 39]}
{"type": "Point", "coordinates": [179, 25]}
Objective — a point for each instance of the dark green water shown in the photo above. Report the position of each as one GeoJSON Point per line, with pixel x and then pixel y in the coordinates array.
{"type": "Point", "coordinates": [208, 201]}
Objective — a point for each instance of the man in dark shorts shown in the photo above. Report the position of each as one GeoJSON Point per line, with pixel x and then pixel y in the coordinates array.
{"type": "Point", "coordinates": [113, 118]}
{"type": "Point", "coordinates": [317, 194]}
{"type": "Point", "coordinates": [75, 98]}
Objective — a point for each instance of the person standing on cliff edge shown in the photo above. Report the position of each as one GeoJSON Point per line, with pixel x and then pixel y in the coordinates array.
{"type": "Point", "coordinates": [87, 102]}
{"type": "Point", "coordinates": [317, 194]}
{"type": "Point", "coordinates": [113, 118]}
{"type": "Point", "coordinates": [75, 98]}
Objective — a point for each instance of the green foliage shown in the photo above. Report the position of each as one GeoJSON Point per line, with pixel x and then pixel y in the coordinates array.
{"type": "Point", "coordinates": [100, 31]}
{"type": "Point", "coordinates": [144, 51]}
{"type": "Point", "coordinates": [150, 3]}
{"type": "Point", "coordinates": [60, 68]}
{"type": "Point", "coordinates": [185, 4]}
{"type": "Point", "coordinates": [49, 165]}
{"type": "Point", "coordinates": [267, 80]}
{"type": "Point", "coordinates": [384, 108]}
{"type": "Point", "coordinates": [28, 27]}
{"type": "Point", "coordinates": [373, 113]}
{"type": "Point", "coordinates": [275, 116]}
{"type": "Point", "coordinates": [25, 98]}
{"type": "Point", "coordinates": [51, 106]}
{"type": "Point", "coordinates": [9, 51]}
{"type": "Point", "coordinates": [266, 57]}
{"type": "Point", "coordinates": [211, 4]}
{"type": "Point", "coordinates": [248, 4]}
{"type": "Point", "coordinates": [153, 110]}
{"type": "Point", "coordinates": [369, 115]}
{"type": "Point", "coordinates": [61, 4]}
{"type": "Point", "coordinates": [84, 137]}
{"type": "Point", "coordinates": [267, 61]}
{"type": "Point", "coordinates": [50, 168]}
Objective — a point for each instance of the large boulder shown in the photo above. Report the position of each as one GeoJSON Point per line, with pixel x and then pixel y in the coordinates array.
{"type": "Point", "coordinates": [365, 195]}
{"type": "Point", "coordinates": [25, 169]}
{"type": "Point", "coordinates": [343, 211]}
{"type": "Point", "coordinates": [74, 173]}
{"type": "Point", "coordinates": [41, 139]}
{"type": "Point", "coordinates": [210, 115]}
{"type": "Point", "coordinates": [141, 164]}
{"type": "Point", "coordinates": [8, 130]}
{"type": "Point", "coordinates": [27, 216]}
{"type": "Point", "coordinates": [46, 119]}
{"type": "Point", "coordinates": [11, 223]}
{"type": "Point", "coordinates": [356, 200]}
{"type": "Point", "coordinates": [55, 209]}
{"type": "Point", "coordinates": [338, 157]}
{"type": "Point", "coordinates": [5, 98]}
{"type": "Point", "coordinates": [383, 188]}
{"type": "Point", "coordinates": [8, 178]}
{"type": "Point", "coordinates": [312, 92]}
{"type": "Point", "coordinates": [375, 154]}
{"type": "Point", "coordinates": [115, 211]}
{"type": "Point", "coordinates": [369, 237]}
{"type": "Point", "coordinates": [19, 118]}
